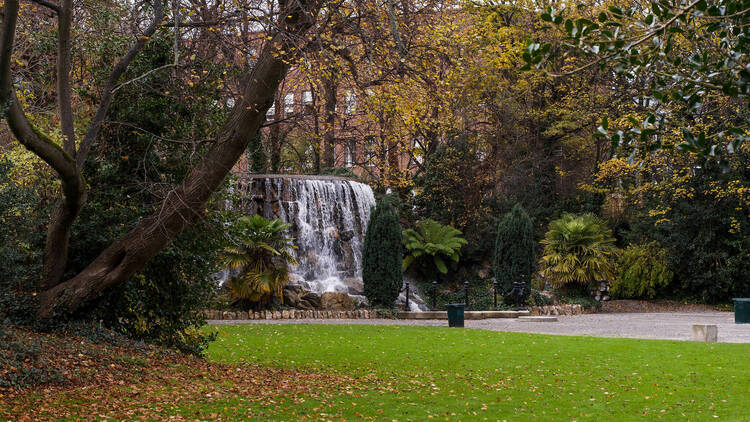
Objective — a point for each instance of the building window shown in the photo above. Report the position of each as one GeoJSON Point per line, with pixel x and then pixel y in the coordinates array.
{"type": "Point", "coordinates": [307, 102]}
{"type": "Point", "coordinates": [349, 154]}
{"type": "Point", "coordinates": [271, 113]}
{"type": "Point", "coordinates": [351, 102]}
{"type": "Point", "coordinates": [289, 103]}
{"type": "Point", "coordinates": [369, 149]}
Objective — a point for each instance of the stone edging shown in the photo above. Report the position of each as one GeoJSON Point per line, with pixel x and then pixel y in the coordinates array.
{"type": "Point", "coordinates": [361, 313]}
{"type": "Point", "coordinates": [296, 314]}
{"type": "Point", "coordinates": [556, 310]}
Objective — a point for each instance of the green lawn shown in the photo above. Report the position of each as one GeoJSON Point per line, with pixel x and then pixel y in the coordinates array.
{"type": "Point", "coordinates": [423, 373]}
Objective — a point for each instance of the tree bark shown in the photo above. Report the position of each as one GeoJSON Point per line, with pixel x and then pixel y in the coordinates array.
{"type": "Point", "coordinates": [62, 217]}
{"type": "Point", "coordinates": [186, 203]}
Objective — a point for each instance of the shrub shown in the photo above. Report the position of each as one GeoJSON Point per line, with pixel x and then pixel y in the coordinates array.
{"type": "Point", "coordinates": [163, 302]}
{"type": "Point", "coordinates": [706, 234]}
{"type": "Point", "coordinates": [514, 249]}
{"type": "Point", "coordinates": [642, 272]}
{"type": "Point", "coordinates": [21, 239]}
{"type": "Point", "coordinates": [578, 249]}
{"type": "Point", "coordinates": [131, 167]}
{"type": "Point", "coordinates": [536, 298]}
{"type": "Point", "coordinates": [261, 252]}
{"type": "Point", "coordinates": [431, 245]}
{"type": "Point", "coordinates": [381, 256]}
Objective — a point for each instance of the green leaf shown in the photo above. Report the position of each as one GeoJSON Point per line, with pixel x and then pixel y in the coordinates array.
{"type": "Point", "coordinates": [440, 264]}
{"type": "Point", "coordinates": [569, 25]}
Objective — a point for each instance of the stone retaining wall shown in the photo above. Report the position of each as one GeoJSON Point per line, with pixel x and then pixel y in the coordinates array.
{"type": "Point", "coordinates": [296, 314]}
{"type": "Point", "coordinates": [556, 310]}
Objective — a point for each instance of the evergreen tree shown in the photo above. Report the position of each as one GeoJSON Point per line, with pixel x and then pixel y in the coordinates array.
{"type": "Point", "coordinates": [514, 249]}
{"type": "Point", "coordinates": [257, 155]}
{"type": "Point", "coordinates": [381, 255]}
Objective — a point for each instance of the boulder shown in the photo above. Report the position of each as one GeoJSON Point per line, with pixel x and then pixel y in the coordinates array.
{"type": "Point", "coordinates": [312, 298]}
{"type": "Point", "coordinates": [296, 288]}
{"type": "Point", "coordinates": [354, 285]}
{"type": "Point", "coordinates": [303, 304]}
{"type": "Point", "coordinates": [337, 301]}
{"type": "Point", "coordinates": [291, 298]}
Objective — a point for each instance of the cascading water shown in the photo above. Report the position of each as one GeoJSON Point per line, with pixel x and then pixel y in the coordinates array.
{"type": "Point", "coordinates": [328, 217]}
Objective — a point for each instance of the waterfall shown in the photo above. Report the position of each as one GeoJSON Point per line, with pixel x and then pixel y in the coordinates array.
{"type": "Point", "coordinates": [327, 216]}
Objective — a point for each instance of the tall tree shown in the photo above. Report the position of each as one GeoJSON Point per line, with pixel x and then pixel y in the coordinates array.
{"type": "Point", "coordinates": [514, 249]}
{"type": "Point", "coordinates": [183, 205]}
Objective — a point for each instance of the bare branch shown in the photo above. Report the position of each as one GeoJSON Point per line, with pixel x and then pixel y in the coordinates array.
{"type": "Point", "coordinates": [64, 100]}
{"type": "Point", "coordinates": [114, 76]}
{"type": "Point", "coordinates": [137, 78]}
{"type": "Point", "coordinates": [55, 8]}
{"type": "Point", "coordinates": [29, 136]}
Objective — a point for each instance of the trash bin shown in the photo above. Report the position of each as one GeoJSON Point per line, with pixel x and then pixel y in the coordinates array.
{"type": "Point", "coordinates": [742, 310]}
{"type": "Point", "coordinates": [455, 314]}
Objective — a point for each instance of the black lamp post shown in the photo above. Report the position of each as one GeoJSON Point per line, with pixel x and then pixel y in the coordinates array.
{"type": "Point", "coordinates": [406, 305]}
{"type": "Point", "coordinates": [466, 291]}
{"type": "Point", "coordinates": [434, 295]}
{"type": "Point", "coordinates": [494, 289]}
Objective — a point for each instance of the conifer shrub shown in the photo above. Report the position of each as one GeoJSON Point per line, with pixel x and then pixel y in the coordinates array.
{"type": "Point", "coordinates": [514, 249]}
{"type": "Point", "coordinates": [381, 256]}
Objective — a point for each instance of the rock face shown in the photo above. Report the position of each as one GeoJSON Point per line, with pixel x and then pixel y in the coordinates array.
{"type": "Point", "coordinates": [291, 296]}
{"type": "Point", "coordinates": [310, 301]}
{"type": "Point", "coordinates": [327, 216]}
{"type": "Point", "coordinates": [337, 301]}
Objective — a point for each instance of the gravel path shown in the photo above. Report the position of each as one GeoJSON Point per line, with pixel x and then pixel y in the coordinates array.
{"type": "Point", "coordinates": [667, 326]}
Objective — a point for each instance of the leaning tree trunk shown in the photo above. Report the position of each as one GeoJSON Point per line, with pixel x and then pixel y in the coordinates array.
{"type": "Point", "coordinates": [186, 203]}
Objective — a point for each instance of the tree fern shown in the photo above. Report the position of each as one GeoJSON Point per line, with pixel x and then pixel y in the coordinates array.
{"type": "Point", "coordinates": [432, 244]}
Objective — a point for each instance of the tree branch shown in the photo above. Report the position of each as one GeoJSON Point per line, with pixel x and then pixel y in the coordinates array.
{"type": "Point", "coordinates": [55, 8]}
{"type": "Point", "coordinates": [19, 124]}
{"type": "Point", "coordinates": [638, 42]}
{"type": "Point", "coordinates": [64, 100]}
{"type": "Point", "coordinates": [111, 83]}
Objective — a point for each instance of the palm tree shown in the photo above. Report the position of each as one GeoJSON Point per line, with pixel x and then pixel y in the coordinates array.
{"type": "Point", "coordinates": [578, 249]}
{"type": "Point", "coordinates": [432, 243]}
{"type": "Point", "coordinates": [262, 254]}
